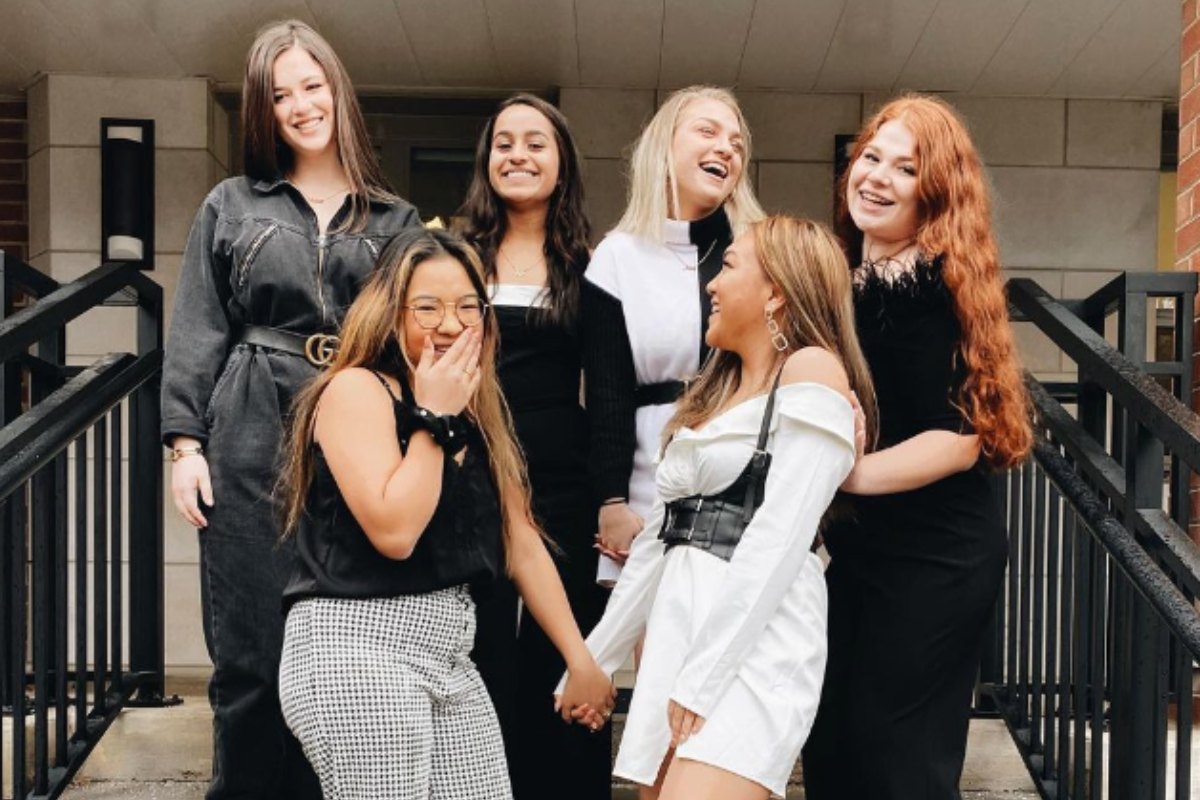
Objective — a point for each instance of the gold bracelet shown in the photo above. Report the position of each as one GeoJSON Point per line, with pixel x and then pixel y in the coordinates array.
{"type": "Point", "coordinates": [182, 452]}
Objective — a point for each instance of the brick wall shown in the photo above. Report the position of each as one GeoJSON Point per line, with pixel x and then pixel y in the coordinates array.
{"type": "Point", "coordinates": [1187, 200]}
{"type": "Point", "coordinates": [14, 206]}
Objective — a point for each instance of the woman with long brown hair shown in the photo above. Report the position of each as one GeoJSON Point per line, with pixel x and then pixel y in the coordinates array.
{"type": "Point", "coordinates": [524, 214]}
{"type": "Point", "coordinates": [404, 485]}
{"type": "Point", "coordinates": [273, 259]}
{"type": "Point", "coordinates": [723, 580]}
{"type": "Point", "coordinates": [918, 563]}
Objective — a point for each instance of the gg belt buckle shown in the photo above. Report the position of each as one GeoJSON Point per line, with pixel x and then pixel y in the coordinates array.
{"type": "Point", "coordinates": [320, 349]}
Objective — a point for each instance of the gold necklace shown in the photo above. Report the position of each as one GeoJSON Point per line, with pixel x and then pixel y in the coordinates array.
{"type": "Point", "coordinates": [519, 272]}
{"type": "Point", "coordinates": [320, 200]}
{"type": "Point", "coordinates": [699, 260]}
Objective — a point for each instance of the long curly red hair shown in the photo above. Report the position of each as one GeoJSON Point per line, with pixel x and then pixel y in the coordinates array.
{"type": "Point", "coordinates": [954, 220]}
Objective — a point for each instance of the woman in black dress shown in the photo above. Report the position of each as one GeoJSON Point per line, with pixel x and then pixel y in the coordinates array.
{"type": "Point", "coordinates": [918, 562]}
{"type": "Point", "coordinates": [525, 216]}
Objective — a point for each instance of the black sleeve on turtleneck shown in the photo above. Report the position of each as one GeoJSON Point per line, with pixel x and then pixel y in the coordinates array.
{"type": "Point", "coordinates": [712, 235]}
{"type": "Point", "coordinates": [610, 385]}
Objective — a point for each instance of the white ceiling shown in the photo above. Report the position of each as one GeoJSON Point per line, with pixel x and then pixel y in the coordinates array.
{"type": "Point", "coordinates": [1071, 48]}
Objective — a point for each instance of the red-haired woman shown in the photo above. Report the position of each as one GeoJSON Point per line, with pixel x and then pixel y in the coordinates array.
{"type": "Point", "coordinates": [919, 561]}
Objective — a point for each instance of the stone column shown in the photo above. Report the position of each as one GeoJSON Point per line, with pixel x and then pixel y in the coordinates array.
{"type": "Point", "coordinates": [191, 155]}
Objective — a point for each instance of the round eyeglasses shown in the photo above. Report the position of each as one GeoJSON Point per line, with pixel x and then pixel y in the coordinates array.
{"type": "Point", "coordinates": [430, 311]}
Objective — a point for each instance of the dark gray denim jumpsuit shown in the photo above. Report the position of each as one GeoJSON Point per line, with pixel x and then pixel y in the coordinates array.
{"type": "Point", "coordinates": [254, 257]}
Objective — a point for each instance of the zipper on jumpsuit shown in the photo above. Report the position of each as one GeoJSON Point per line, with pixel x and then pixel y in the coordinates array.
{"type": "Point", "coordinates": [321, 277]}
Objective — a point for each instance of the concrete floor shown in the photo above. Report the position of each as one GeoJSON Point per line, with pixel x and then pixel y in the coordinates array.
{"type": "Point", "coordinates": [164, 754]}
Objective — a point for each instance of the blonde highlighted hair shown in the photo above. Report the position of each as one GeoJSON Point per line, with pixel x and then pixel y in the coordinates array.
{"type": "Point", "coordinates": [653, 189]}
{"type": "Point", "coordinates": [807, 264]}
{"type": "Point", "coordinates": [370, 338]}
{"type": "Point", "coordinates": [265, 156]}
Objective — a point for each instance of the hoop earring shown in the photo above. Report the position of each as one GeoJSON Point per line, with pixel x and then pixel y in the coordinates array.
{"type": "Point", "coordinates": [778, 340]}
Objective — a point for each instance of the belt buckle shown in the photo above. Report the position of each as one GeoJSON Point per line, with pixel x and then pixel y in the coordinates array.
{"type": "Point", "coordinates": [695, 516]}
{"type": "Point", "coordinates": [321, 348]}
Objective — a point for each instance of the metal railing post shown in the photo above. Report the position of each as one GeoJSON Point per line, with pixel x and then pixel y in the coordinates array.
{"type": "Point", "coordinates": [147, 653]}
{"type": "Point", "coordinates": [1139, 707]}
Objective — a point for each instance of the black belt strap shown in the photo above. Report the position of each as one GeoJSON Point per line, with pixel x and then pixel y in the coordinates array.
{"type": "Point", "coordinates": [712, 524]}
{"type": "Point", "coordinates": [274, 338]}
{"type": "Point", "coordinates": [319, 349]}
{"type": "Point", "coordinates": [658, 394]}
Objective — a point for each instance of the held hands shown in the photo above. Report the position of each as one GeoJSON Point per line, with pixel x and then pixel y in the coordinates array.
{"type": "Point", "coordinates": [588, 697]}
{"type": "Point", "coordinates": [189, 479]}
{"type": "Point", "coordinates": [619, 525]}
{"type": "Point", "coordinates": [445, 385]}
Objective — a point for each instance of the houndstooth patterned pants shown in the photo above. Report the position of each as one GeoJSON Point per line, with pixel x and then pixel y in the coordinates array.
{"type": "Point", "coordinates": [385, 700]}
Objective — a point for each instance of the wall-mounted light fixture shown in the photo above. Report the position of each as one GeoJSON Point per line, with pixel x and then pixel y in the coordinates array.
{"type": "Point", "coordinates": [127, 191]}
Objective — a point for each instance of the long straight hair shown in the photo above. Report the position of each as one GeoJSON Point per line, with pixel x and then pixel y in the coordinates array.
{"type": "Point", "coordinates": [954, 220]}
{"type": "Point", "coordinates": [806, 262]}
{"type": "Point", "coordinates": [264, 153]}
{"type": "Point", "coordinates": [567, 228]}
{"type": "Point", "coordinates": [653, 188]}
{"type": "Point", "coordinates": [370, 338]}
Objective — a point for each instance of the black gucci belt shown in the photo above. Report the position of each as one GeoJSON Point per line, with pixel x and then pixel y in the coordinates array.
{"type": "Point", "coordinates": [319, 348]}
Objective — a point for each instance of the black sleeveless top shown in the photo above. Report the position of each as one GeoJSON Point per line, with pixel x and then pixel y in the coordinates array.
{"type": "Point", "coordinates": [462, 544]}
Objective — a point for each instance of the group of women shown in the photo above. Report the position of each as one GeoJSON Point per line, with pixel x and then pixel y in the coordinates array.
{"type": "Point", "coordinates": [379, 426]}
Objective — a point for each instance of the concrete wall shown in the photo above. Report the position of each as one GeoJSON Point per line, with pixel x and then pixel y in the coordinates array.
{"type": "Point", "coordinates": [191, 155]}
{"type": "Point", "coordinates": [1076, 182]}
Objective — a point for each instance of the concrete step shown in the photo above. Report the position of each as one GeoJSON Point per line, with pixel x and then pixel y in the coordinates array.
{"type": "Point", "coordinates": [165, 754]}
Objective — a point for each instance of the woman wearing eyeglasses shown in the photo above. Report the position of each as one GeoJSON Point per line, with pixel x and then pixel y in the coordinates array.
{"type": "Point", "coordinates": [404, 486]}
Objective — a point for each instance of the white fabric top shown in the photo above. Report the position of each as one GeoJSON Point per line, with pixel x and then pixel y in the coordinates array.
{"type": "Point", "coordinates": [658, 287]}
{"type": "Point", "coordinates": [518, 294]}
{"type": "Point", "coordinates": [710, 618]}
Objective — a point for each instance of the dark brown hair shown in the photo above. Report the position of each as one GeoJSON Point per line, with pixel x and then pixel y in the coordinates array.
{"type": "Point", "coordinates": [264, 153]}
{"type": "Point", "coordinates": [567, 228]}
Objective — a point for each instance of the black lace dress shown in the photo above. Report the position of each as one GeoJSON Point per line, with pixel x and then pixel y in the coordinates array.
{"type": "Point", "coordinates": [914, 576]}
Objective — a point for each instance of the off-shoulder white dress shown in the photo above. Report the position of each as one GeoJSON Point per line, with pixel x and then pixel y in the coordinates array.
{"type": "Point", "coordinates": [741, 643]}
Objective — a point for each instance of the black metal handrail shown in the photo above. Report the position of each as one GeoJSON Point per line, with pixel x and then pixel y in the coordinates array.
{"type": "Point", "coordinates": [1172, 422]}
{"type": "Point", "coordinates": [1098, 635]}
{"type": "Point", "coordinates": [81, 469]}
{"type": "Point", "coordinates": [1144, 573]}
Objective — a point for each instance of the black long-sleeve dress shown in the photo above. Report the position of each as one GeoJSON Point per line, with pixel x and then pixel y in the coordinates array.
{"type": "Point", "coordinates": [914, 576]}
{"type": "Point", "coordinates": [540, 370]}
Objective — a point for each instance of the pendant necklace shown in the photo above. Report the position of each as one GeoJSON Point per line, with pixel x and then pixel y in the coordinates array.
{"type": "Point", "coordinates": [318, 200]}
{"type": "Point", "coordinates": [699, 261]}
{"type": "Point", "coordinates": [519, 272]}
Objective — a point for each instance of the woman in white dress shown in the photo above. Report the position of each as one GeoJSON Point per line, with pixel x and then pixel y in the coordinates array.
{"type": "Point", "coordinates": [644, 304]}
{"type": "Point", "coordinates": [722, 579]}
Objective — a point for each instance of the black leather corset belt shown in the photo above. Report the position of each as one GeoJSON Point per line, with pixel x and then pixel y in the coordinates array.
{"type": "Point", "coordinates": [715, 523]}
